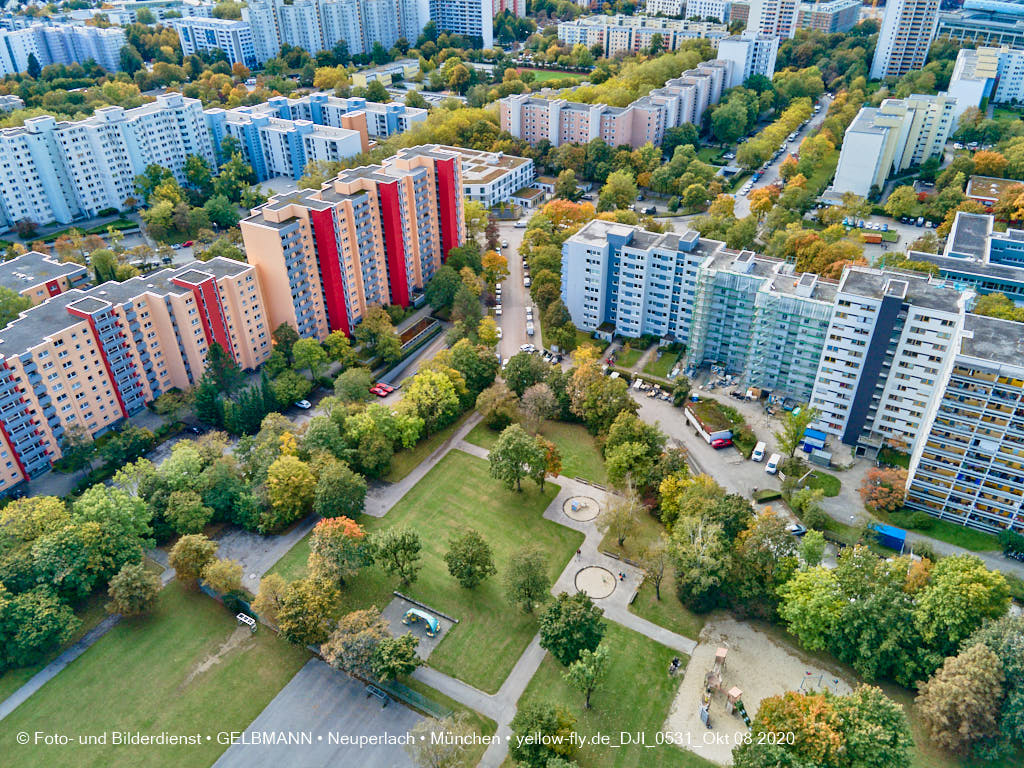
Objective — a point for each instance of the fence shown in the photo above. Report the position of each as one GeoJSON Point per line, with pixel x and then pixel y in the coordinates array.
{"type": "Point", "coordinates": [414, 699]}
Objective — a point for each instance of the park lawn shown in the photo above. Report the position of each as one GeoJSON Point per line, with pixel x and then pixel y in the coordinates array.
{"type": "Point", "coordinates": [822, 175]}
{"type": "Point", "coordinates": [828, 484]}
{"type": "Point", "coordinates": [483, 725]}
{"type": "Point", "coordinates": [949, 532]}
{"type": "Point", "coordinates": [583, 338]}
{"type": "Point", "coordinates": [91, 612]}
{"type": "Point", "coordinates": [635, 698]}
{"type": "Point", "coordinates": [580, 455]}
{"type": "Point", "coordinates": [711, 155]}
{"type": "Point", "coordinates": [146, 675]}
{"type": "Point", "coordinates": [454, 496]}
{"type": "Point", "coordinates": [628, 358]}
{"type": "Point", "coordinates": [406, 460]}
{"type": "Point", "coordinates": [662, 366]}
{"type": "Point", "coordinates": [542, 75]}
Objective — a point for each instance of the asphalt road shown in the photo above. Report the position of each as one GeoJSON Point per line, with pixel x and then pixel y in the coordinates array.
{"type": "Point", "coordinates": [515, 297]}
{"type": "Point", "coordinates": [771, 174]}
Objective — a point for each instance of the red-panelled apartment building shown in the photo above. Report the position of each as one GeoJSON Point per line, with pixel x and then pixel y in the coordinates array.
{"type": "Point", "coordinates": [371, 236]}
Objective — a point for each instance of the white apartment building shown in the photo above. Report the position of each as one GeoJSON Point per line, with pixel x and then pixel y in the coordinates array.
{"type": "Point", "coordinates": [749, 54]}
{"type": "Point", "coordinates": [892, 137]}
{"type": "Point", "coordinates": [908, 28]}
{"type": "Point", "coordinates": [632, 34]}
{"type": "Point", "coordinates": [10, 102]}
{"type": "Point", "coordinates": [299, 23]}
{"type": "Point", "coordinates": [774, 17]}
{"type": "Point", "coordinates": [888, 349]}
{"type": "Point", "coordinates": [60, 171]}
{"type": "Point", "coordinates": [707, 9]}
{"type": "Point", "coordinates": [231, 36]}
{"type": "Point", "coordinates": [490, 178]}
{"type": "Point", "coordinates": [60, 44]}
{"type": "Point", "coordinates": [665, 7]}
{"type": "Point", "coordinates": [987, 72]}
{"type": "Point", "coordinates": [471, 18]}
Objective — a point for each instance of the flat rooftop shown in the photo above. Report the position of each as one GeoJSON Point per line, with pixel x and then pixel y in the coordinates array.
{"type": "Point", "coordinates": [988, 187]}
{"type": "Point", "coordinates": [994, 339]}
{"type": "Point", "coordinates": [919, 290]}
{"type": "Point", "coordinates": [969, 235]}
{"type": "Point", "coordinates": [32, 268]}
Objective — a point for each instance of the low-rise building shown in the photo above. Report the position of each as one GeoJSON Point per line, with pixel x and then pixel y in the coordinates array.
{"type": "Point", "coordinates": [95, 357]}
{"type": "Point", "coordinates": [892, 137]}
{"type": "Point", "coordinates": [987, 189]}
{"type": "Point", "coordinates": [39, 277]}
{"type": "Point", "coordinates": [632, 34]}
{"type": "Point", "coordinates": [490, 178]}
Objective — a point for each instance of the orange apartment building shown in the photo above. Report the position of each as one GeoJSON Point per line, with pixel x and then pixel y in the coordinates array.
{"type": "Point", "coordinates": [94, 357]}
{"type": "Point", "coordinates": [371, 236]}
{"type": "Point", "coordinates": [39, 277]}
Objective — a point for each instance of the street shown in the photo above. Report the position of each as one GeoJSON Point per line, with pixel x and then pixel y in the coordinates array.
{"type": "Point", "coordinates": [515, 297]}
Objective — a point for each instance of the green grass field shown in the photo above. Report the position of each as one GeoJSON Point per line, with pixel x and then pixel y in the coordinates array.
{"type": "Point", "coordinates": [628, 358]}
{"type": "Point", "coordinates": [182, 669]}
{"type": "Point", "coordinates": [711, 155]}
{"type": "Point", "coordinates": [635, 698]}
{"type": "Point", "coordinates": [828, 484]}
{"type": "Point", "coordinates": [661, 366]}
{"type": "Point", "coordinates": [580, 455]}
{"type": "Point", "coordinates": [583, 338]}
{"type": "Point", "coordinates": [483, 725]}
{"type": "Point", "coordinates": [543, 75]}
{"type": "Point", "coordinates": [456, 495]}
{"type": "Point", "coordinates": [944, 530]}
{"type": "Point", "coordinates": [405, 461]}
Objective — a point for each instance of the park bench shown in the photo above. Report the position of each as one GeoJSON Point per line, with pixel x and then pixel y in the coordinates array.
{"type": "Point", "coordinates": [372, 690]}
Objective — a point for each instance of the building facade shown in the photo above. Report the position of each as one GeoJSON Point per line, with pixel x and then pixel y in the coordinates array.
{"type": "Point", "coordinates": [908, 28]}
{"type": "Point", "coordinates": [984, 22]}
{"type": "Point", "coordinates": [371, 236]}
{"type": "Point", "coordinates": [94, 357]}
{"type": "Point", "coordinates": [829, 17]}
{"type": "Point", "coordinates": [892, 137]}
{"type": "Point", "coordinates": [632, 34]}
{"type": "Point", "coordinates": [60, 44]}
{"type": "Point", "coordinates": [773, 17]}
{"type": "Point", "coordinates": [996, 74]}
{"type": "Point", "coordinates": [205, 35]}
{"type": "Point", "coordinates": [470, 18]}
{"type": "Point", "coordinates": [665, 8]}
{"type": "Point", "coordinates": [490, 178]}
{"type": "Point", "coordinates": [749, 54]}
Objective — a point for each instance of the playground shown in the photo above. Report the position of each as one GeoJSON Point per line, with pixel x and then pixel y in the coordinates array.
{"type": "Point", "coordinates": [428, 627]}
{"type": "Point", "coordinates": [738, 663]}
{"type": "Point", "coordinates": [582, 509]}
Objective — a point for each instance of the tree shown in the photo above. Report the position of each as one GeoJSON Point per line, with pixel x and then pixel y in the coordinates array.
{"type": "Point", "coordinates": [308, 353]}
{"type": "Point", "coordinates": [487, 332]}
{"type": "Point", "coordinates": [339, 349]}
{"type": "Point", "coordinates": [618, 192]}
{"type": "Point", "coordinates": [222, 371]}
{"type": "Point", "coordinates": [353, 644]}
{"type": "Point", "coordinates": [812, 548]}
{"type": "Point", "coordinates": [541, 732]}
{"type": "Point", "coordinates": [902, 201]}
{"type": "Point", "coordinates": [962, 593]}
{"type": "Point", "coordinates": [441, 289]}
{"type": "Point", "coordinates": [498, 406]}
{"type": "Point", "coordinates": [466, 307]}
{"type": "Point", "coordinates": [339, 491]}
{"type": "Point", "coordinates": [338, 549]}
{"type": "Point", "coordinates": [588, 672]}
{"type": "Point", "coordinates": [378, 334]}
{"type": "Point", "coordinates": [397, 551]}
{"type": "Point", "coordinates": [884, 489]}
{"type": "Point", "coordinates": [186, 512]}
{"type": "Point", "coordinates": [434, 398]}
{"type": "Point", "coordinates": [960, 704]}
{"type": "Point", "coordinates": [538, 404]}
{"type": "Point", "coordinates": [304, 613]}
{"type": "Point", "coordinates": [440, 743]}
{"type": "Point", "coordinates": [620, 518]}
{"type": "Point", "coordinates": [566, 185]}
{"type": "Point", "coordinates": [571, 625]}
{"type": "Point", "coordinates": [1005, 638]}
{"type": "Point", "coordinates": [11, 305]}
{"type": "Point", "coordinates": [284, 337]}
{"type": "Point", "coordinates": [353, 386]}
{"type": "Point", "coordinates": [133, 590]}
{"type": "Point", "coordinates": [702, 561]}
{"type": "Point", "coordinates": [291, 489]}
{"type": "Point", "coordinates": [523, 370]}
{"type": "Point", "coordinates": [396, 656]}
{"type": "Point", "coordinates": [516, 455]}
{"type": "Point", "coordinates": [526, 580]}
{"type": "Point", "coordinates": [77, 448]}
{"type": "Point", "coordinates": [223, 575]}
{"type": "Point", "coordinates": [268, 599]}
{"type": "Point", "coordinates": [32, 625]}
{"type": "Point", "coordinates": [655, 559]}
{"type": "Point", "coordinates": [470, 559]}
{"type": "Point", "coordinates": [189, 555]}
{"type": "Point", "coordinates": [793, 427]}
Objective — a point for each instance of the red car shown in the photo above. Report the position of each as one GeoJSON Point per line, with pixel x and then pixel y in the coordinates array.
{"type": "Point", "coordinates": [380, 389]}
{"type": "Point", "coordinates": [721, 442]}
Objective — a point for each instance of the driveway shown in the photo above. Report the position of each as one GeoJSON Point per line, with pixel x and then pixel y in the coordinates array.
{"type": "Point", "coordinates": [320, 705]}
{"type": "Point", "coordinates": [515, 297]}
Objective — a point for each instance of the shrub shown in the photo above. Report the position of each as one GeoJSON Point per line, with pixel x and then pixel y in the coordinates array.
{"type": "Point", "coordinates": [766, 495]}
{"type": "Point", "coordinates": [921, 521]}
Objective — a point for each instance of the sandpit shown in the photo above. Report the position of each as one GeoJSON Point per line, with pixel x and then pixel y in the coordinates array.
{"type": "Point", "coordinates": [758, 664]}
{"type": "Point", "coordinates": [582, 509]}
{"type": "Point", "coordinates": [596, 582]}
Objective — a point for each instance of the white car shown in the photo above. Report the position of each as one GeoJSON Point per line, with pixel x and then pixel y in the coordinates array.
{"type": "Point", "coordinates": [303, 404]}
{"type": "Point", "coordinates": [497, 311]}
{"type": "Point", "coordinates": [526, 282]}
{"type": "Point", "coordinates": [529, 329]}
{"type": "Point", "coordinates": [499, 333]}
{"type": "Point", "coordinates": [504, 243]}
{"type": "Point", "coordinates": [529, 313]}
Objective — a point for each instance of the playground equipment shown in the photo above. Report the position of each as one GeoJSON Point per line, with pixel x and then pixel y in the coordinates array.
{"type": "Point", "coordinates": [415, 615]}
{"type": "Point", "coordinates": [821, 683]}
{"type": "Point", "coordinates": [713, 679]}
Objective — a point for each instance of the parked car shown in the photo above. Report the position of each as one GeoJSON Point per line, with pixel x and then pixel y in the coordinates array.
{"type": "Point", "coordinates": [520, 225]}
{"type": "Point", "coordinates": [796, 529]}
{"type": "Point", "coordinates": [772, 466]}
{"type": "Point", "coordinates": [721, 442]}
{"type": "Point", "coordinates": [650, 210]}
{"type": "Point", "coordinates": [758, 453]}
{"type": "Point", "coordinates": [497, 311]}
{"type": "Point", "coordinates": [189, 243]}
{"type": "Point", "coordinates": [526, 282]}
{"type": "Point", "coordinates": [303, 404]}
{"type": "Point", "coordinates": [529, 329]}
{"type": "Point", "coordinates": [504, 243]}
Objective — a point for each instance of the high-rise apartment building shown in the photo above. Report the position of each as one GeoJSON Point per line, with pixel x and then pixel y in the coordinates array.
{"type": "Point", "coordinates": [908, 28]}
{"type": "Point", "coordinates": [515, 7]}
{"type": "Point", "coordinates": [94, 357]}
{"type": "Point", "coordinates": [632, 34]}
{"type": "Point", "coordinates": [371, 236]}
{"type": "Point", "coordinates": [60, 44]}
{"type": "Point", "coordinates": [470, 18]}
{"type": "Point", "coordinates": [60, 171]}
{"type": "Point", "coordinates": [892, 137]}
{"type": "Point", "coordinates": [233, 37]}
{"type": "Point", "coordinates": [665, 7]}
{"type": "Point", "coordinates": [996, 74]}
{"type": "Point", "coordinates": [773, 17]}
{"type": "Point", "coordinates": [829, 16]}
{"type": "Point", "coordinates": [683, 99]}
{"type": "Point", "coordinates": [749, 54]}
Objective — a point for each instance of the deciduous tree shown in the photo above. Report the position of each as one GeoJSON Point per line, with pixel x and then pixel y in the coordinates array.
{"type": "Point", "coordinates": [223, 575]}
{"type": "Point", "coordinates": [354, 642]}
{"type": "Point", "coordinates": [133, 590]}
{"type": "Point", "coordinates": [397, 551]}
{"type": "Point", "coordinates": [571, 625]}
{"type": "Point", "coordinates": [516, 455]}
{"type": "Point", "coordinates": [189, 555]}
{"type": "Point", "coordinates": [588, 672]}
{"type": "Point", "coordinates": [526, 580]}
{"type": "Point", "coordinates": [470, 559]}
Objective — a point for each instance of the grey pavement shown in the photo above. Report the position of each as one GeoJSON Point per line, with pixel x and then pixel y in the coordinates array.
{"type": "Point", "coordinates": [395, 611]}
{"type": "Point", "coordinates": [515, 297]}
{"type": "Point", "coordinates": [326, 705]}
{"type": "Point", "coordinates": [258, 553]}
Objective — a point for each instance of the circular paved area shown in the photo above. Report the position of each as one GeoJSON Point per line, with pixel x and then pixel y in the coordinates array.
{"type": "Point", "coordinates": [582, 509]}
{"type": "Point", "coordinates": [595, 581]}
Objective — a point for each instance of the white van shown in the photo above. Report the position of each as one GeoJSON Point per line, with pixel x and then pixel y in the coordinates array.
{"type": "Point", "coordinates": [758, 454]}
{"type": "Point", "coordinates": [773, 464]}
